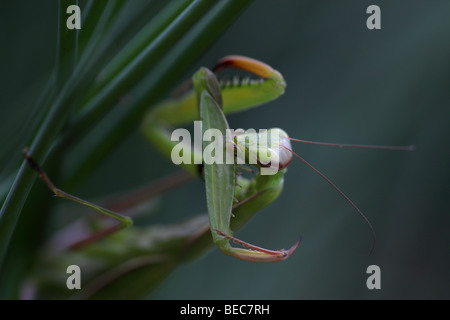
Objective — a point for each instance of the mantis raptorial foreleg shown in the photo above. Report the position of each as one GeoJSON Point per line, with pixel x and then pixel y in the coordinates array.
{"type": "Point", "coordinates": [237, 95]}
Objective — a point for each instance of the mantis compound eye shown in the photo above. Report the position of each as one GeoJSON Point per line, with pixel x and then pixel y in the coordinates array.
{"type": "Point", "coordinates": [285, 155]}
{"type": "Point", "coordinates": [278, 148]}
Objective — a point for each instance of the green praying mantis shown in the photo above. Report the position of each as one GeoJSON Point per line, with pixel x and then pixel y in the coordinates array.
{"type": "Point", "coordinates": [231, 198]}
{"type": "Point", "coordinates": [209, 101]}
{"type": "Point", "coordinates": [205, 102]}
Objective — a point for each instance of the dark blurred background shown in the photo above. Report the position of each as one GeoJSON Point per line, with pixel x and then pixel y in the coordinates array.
{"type": "Point", "coordinates": [345, 84]}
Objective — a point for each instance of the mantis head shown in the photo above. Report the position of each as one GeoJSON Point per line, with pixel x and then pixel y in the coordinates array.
{"type": "Point", "coordinates": [265, 149]}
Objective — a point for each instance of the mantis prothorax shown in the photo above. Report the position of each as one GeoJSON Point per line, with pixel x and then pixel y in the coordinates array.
{"type": "Point", "coordinates": [209, 101]}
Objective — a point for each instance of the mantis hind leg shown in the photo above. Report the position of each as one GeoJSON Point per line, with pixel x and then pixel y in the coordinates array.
{"type": "Point", "coordinates": [128, 201]}
{"type": "Point", "coordinates": [123, 221]}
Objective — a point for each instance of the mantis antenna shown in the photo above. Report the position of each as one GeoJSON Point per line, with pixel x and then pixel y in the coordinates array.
{"type": "Point", "coordinates": [361, 146]}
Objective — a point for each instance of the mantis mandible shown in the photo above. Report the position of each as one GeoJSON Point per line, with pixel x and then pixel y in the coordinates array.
{"type": "Point", "coordinates": [210, 101]}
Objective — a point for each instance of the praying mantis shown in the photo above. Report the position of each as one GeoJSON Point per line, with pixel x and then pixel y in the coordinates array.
{"type": "Point", "coordinates": [220, 179]}
{"type": "Point", "coordinates": [231, 198]}
{"type": "Point", "coordinates": [210, 100]}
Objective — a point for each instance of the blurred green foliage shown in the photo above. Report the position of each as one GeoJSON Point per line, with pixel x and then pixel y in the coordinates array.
{"type": "Point", "coordinates": [345, 83]}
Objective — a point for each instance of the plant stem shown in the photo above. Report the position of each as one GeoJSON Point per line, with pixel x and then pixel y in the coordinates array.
{"type": "Point", "coordinates": [137, 68]}
{"type": "Point", "coordinates": [43, 140]}
{"type": "Point", "coordinates": [170, 68]}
